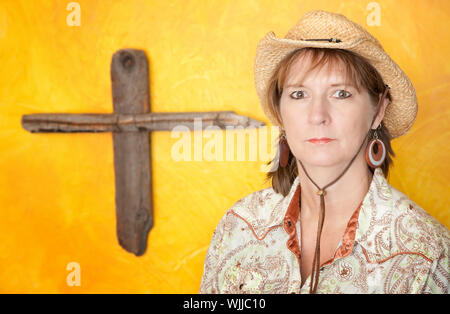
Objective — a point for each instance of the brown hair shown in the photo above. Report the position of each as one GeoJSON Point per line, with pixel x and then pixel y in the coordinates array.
{"type": "Point", "coordinates": [359, 71]}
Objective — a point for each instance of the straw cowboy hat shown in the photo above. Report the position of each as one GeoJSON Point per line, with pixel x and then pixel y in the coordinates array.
{"type": "Point", "coordinates": [323, 29]}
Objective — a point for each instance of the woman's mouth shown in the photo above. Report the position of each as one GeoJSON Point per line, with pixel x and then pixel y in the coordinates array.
{"type": "Point", "coordinates": [322, 140]}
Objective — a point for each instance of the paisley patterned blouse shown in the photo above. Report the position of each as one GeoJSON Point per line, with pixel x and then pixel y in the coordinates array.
{"type": "Point", "coordinates": [391, 245]}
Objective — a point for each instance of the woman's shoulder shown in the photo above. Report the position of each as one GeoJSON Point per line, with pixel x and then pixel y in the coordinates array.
{"type": "Point", "coordinates": [257, 210]}
{"type": "Point", "coordinates": [413, 228]}
{"type": "Point", "coordinates": [257, 202]}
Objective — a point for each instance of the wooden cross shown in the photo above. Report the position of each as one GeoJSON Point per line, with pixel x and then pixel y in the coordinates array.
{"type": "Point", "coordinates": [131, 124]}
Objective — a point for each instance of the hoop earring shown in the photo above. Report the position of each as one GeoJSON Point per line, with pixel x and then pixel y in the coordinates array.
{"type": "Point", "coordinates": [284, 151]}
{"type": "Point", "coordinates": [375, 152]}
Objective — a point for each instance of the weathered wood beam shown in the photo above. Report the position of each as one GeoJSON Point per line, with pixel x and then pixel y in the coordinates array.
{"type": "Point", "coordinates": [67, 122]}
{"type": "Point", "coordinates": [132, 153]}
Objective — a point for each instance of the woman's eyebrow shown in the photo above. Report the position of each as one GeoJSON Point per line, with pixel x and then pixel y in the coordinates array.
{"type": "Point", "coordinates": [342, 84]}
{"type": "Point", "coordinates": [295, 85]}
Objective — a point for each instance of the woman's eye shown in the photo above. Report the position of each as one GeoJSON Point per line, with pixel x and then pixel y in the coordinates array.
{"type": "Point", "coordinates": [342, 94]}
{"type": "Point", "coordinates": [297, 94]}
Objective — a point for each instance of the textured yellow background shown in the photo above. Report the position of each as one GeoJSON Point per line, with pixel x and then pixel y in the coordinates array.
{"type": "Point", "coordinates": [57, 190]}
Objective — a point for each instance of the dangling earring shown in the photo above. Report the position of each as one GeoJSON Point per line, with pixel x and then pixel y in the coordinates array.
{"type": "Point", "coordinates": [375, 152]}
{"type": "Point", "coordinates": [284, 151]}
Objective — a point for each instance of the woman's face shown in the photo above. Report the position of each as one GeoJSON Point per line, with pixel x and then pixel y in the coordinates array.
{"type": "Point", "coordinates": [324, 107]}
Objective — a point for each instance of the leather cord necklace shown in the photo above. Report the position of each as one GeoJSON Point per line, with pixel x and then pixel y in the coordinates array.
{"type": "Point", "coordinates": [321, 192]}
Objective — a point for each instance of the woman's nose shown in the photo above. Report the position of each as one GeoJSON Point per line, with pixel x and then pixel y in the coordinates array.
{"type": "Point", "coordinates": [318, 111]}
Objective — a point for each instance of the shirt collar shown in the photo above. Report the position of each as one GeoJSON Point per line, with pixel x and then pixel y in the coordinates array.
{"type": "Point", "coordinates": [379, 189]}
{"type": "Point", "coordinates": [266, 209]}
{"type": "Point", "coordinates": [377, 204]}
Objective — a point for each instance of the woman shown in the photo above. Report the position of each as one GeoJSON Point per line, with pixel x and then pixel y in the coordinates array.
{"type": "Point", "coordinates": [330, 223]}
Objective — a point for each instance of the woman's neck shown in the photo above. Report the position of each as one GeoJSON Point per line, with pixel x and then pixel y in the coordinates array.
{"type": "Point", "coordinates": [347, 192]}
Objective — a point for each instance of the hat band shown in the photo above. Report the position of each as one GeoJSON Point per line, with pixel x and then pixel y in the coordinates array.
{"type": "Point", "coordinates": [331, 40]}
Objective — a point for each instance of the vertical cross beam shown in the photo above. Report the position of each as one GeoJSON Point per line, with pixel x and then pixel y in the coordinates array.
{"type": "Point", "coordinates": [132, 156]}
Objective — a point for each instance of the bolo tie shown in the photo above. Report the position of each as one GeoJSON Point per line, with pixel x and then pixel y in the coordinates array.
{"type": "Point", "coordinates": [321, 192]}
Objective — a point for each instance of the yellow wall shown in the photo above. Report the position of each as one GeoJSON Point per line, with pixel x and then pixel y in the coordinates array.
{"type": "Point", "coordinates": [57, 190]}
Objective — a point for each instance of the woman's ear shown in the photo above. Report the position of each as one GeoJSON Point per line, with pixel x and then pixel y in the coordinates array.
{"type": "Point", "coordinates": [381, 112]}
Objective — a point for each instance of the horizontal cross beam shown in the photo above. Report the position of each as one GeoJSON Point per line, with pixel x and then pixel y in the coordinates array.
{"type": "Point", "coordinates": [87, 122]}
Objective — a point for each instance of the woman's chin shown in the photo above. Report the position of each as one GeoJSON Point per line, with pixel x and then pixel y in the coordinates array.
{"type": "Point", "coordinates": [319, 160]}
